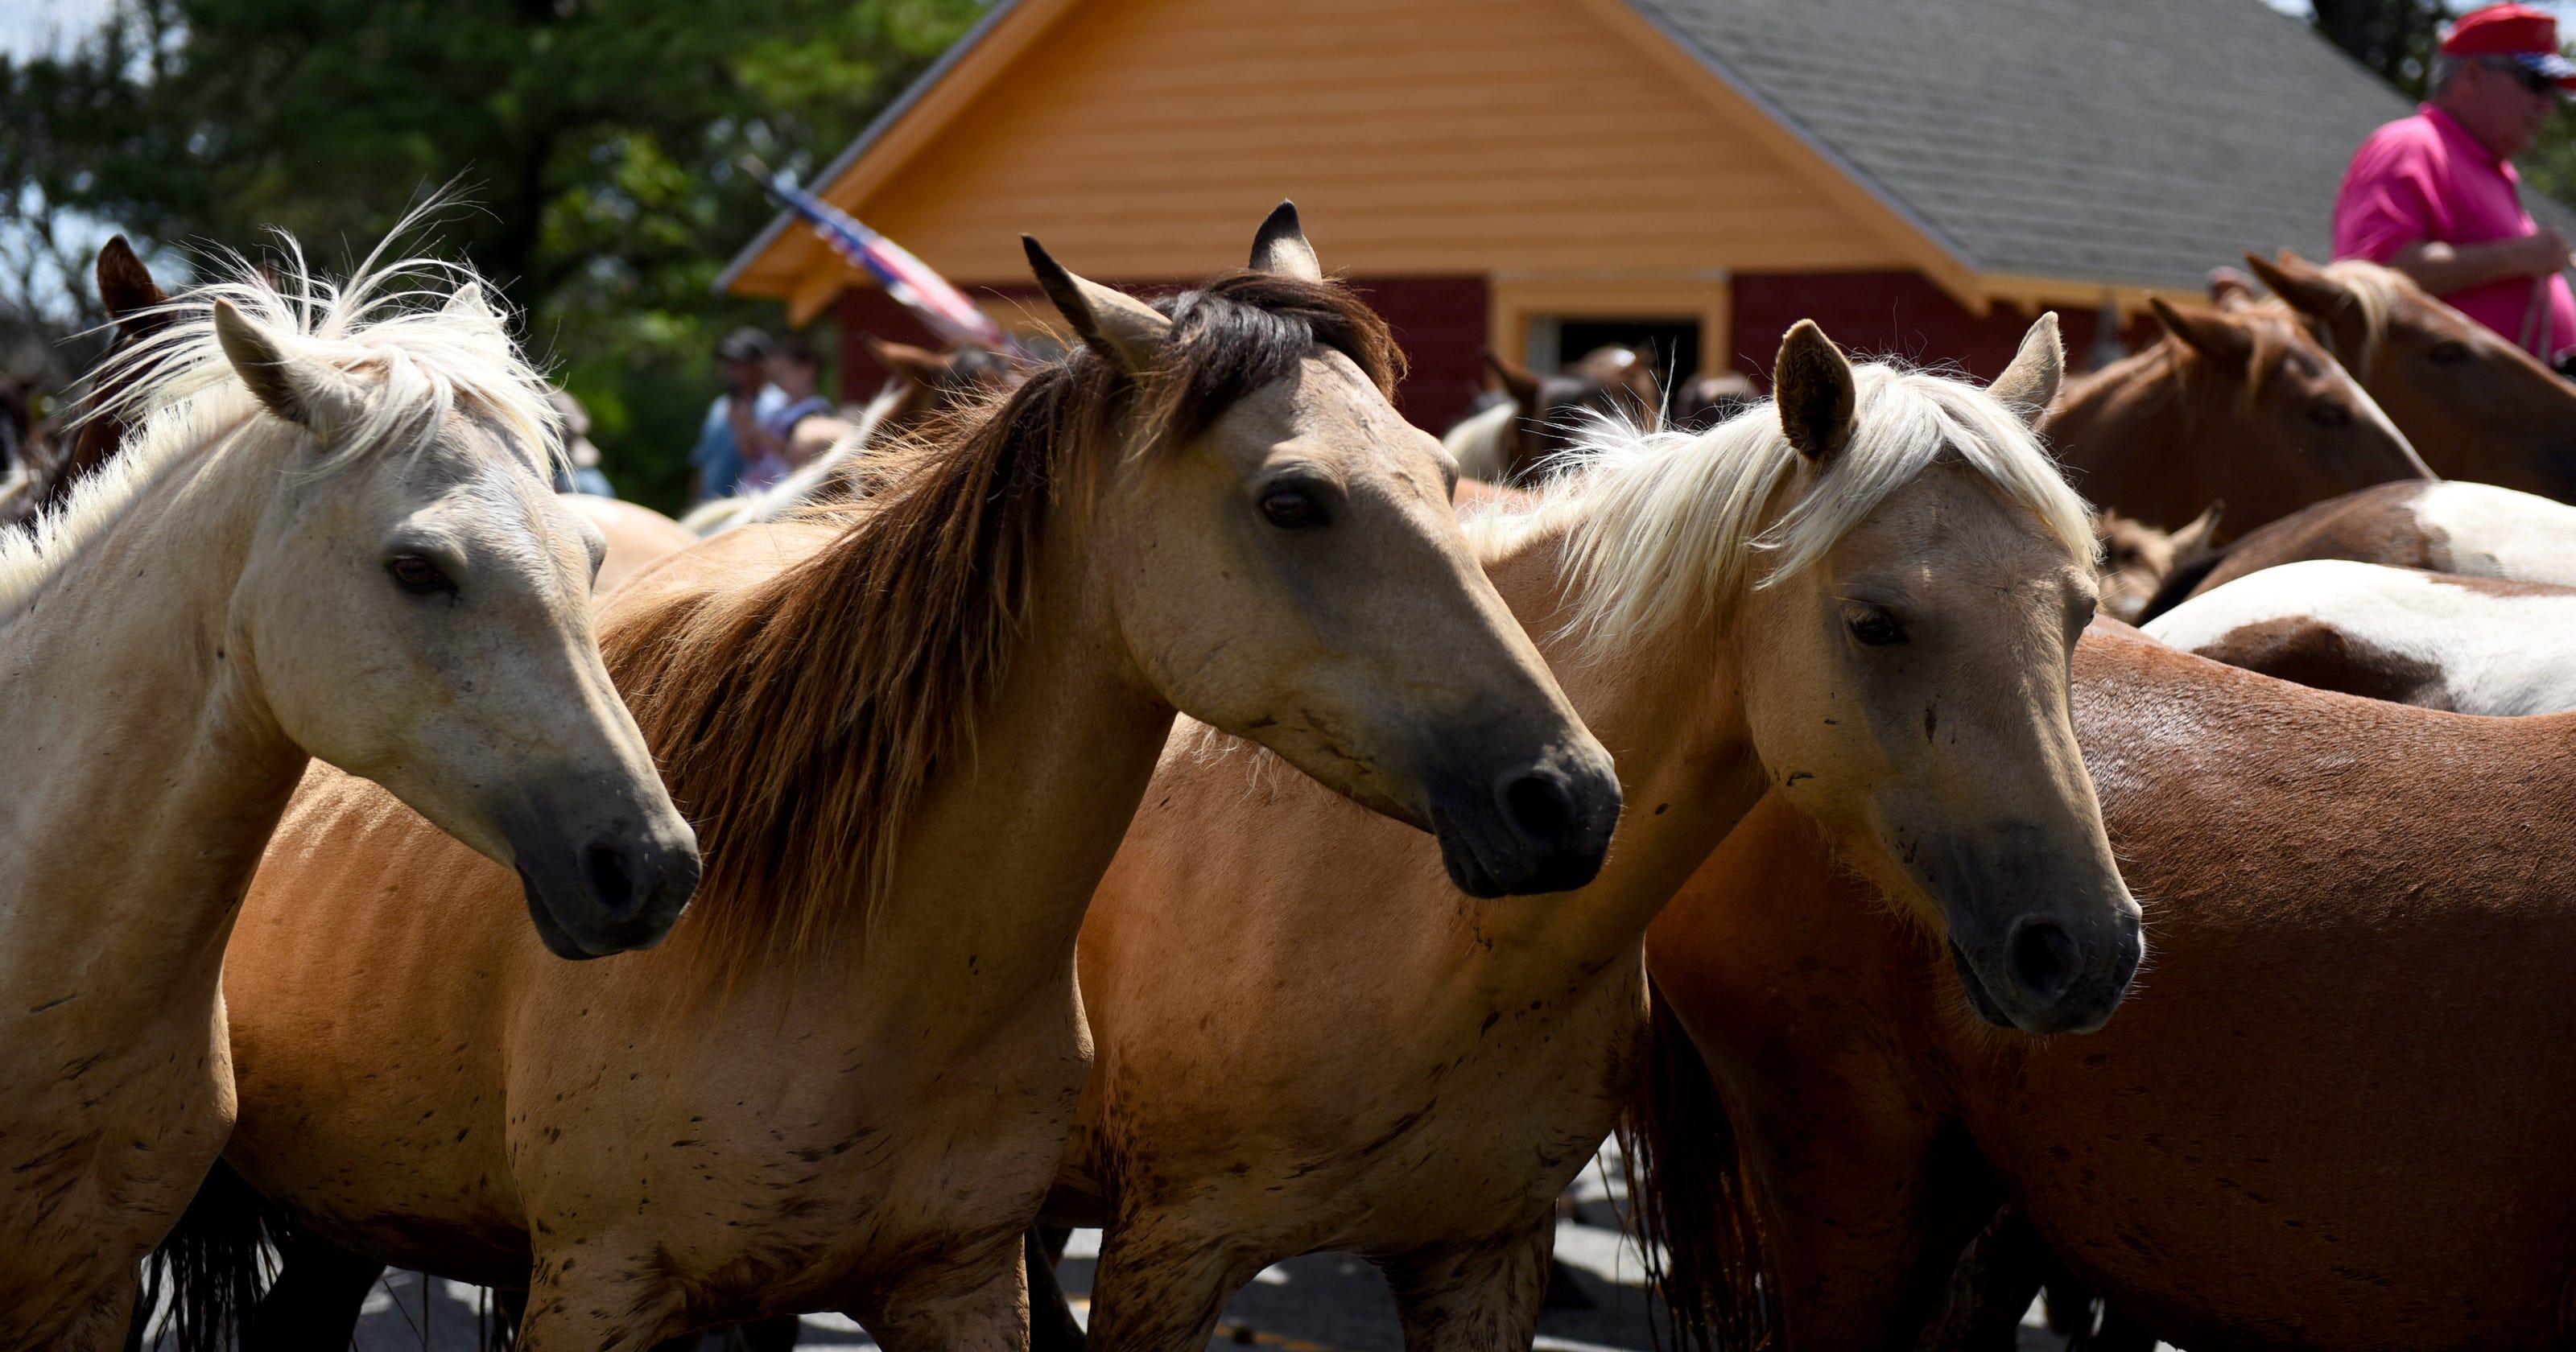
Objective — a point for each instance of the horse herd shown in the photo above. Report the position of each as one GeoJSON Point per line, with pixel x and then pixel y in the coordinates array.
{"type": "Point", "coordinates": [1126, 792]}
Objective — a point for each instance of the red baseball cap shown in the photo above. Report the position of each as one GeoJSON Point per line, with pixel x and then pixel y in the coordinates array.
{"type": "Point", "coordinates": [2527, 35]}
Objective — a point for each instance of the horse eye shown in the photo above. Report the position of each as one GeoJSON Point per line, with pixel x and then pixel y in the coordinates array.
{"type": "Point", "coordinates": [418, 576]}
{"type": "Point", "coordinates": [2329, 415]}
{"type": "Point", "coordinates": [1291, 509]}
{"type": "Point", "coordinates": [2450, 350]}
{"type": "Point", "coordinates": [1875, 627]}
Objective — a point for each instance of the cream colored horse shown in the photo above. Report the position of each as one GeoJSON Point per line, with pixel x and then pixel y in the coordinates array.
{"type": "Point", "coordinates": [1865, 595]}
{"type": "Point", "coordinates": [913, 733]}
{"type": "Point", "coordinates": [332, 537]}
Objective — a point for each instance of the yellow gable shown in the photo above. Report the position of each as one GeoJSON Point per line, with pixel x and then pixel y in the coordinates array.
{"type": "Point", "coordinates": [1533, 141]}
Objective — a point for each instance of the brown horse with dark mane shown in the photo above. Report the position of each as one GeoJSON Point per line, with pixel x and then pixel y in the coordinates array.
{"type": "Point", "coordinates": [2332, 1115]}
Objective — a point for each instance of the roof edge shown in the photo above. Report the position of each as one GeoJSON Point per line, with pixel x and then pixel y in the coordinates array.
{"type": "Point", "coordinates": [1815, 145]}
{"type": "Point", "coordinates": [876, 129]}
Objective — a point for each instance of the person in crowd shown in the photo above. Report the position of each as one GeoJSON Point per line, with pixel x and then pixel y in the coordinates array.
{"type": "Point", "coordinates": [772, 450]}
{"type": "Point", "coordinates": [733, 420]}
{"type": "Point", "coordinates": [2435, 195]}
{"type": "Point", "coordinates": [583, 474]}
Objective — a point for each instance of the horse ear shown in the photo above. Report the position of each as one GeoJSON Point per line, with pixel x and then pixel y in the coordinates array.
{"type": "Point", "coordinates": [2030, 384]}
{"type": "Point", "coordinates": [2192, 543]}
{"type": "Point", "coordinates": [2206, 332]}
{"type": "Point", "coordinates": [1516, 381]}
{"type": "Point", "coordinates": [2335, 313]}
{"type": "Point", "coordinates": [125, 286]}
{"type": "Point", "coordinates": [1119, 325]}
{"type": "Point", "coordinates": [919, 365]}
{"type": "Point", "coordinates": [1812, 386]}
{"type": "Point", "coordinates": [466, 302]}
{"type": "Point", "coordinates": [309, 393]}
{"type": "Point", "coordinates": [1280, 246]}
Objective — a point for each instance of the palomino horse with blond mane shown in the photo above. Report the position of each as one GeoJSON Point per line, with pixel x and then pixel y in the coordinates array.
{"type": "Point", "coordinates": [913, 731]}
{"type": "Point", "coordinates": [2332, 1116]}
{"type": "Point", "coordinates": [351, 552]}
{"type": "Point", "coordinates": [1864, 594]}
{"type": "Point", "coordinates": [2236, 406]}
{"type": "Point", "coordinates": [2476, 406]}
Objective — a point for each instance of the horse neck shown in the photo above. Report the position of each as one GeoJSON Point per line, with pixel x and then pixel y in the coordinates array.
{"type": "Point", "coordinates": [1012, 837]}
{"type": "Point", "coordinates": [149, 771]}
{"type": "Point", "coordinates": [1673, 719]}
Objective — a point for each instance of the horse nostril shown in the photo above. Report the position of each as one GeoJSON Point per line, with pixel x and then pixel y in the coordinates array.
{"type": "Point", "coordinates": [609, 881]}
{"type": "Point", "coordinates": [1539, 807]}
{"type": "Point", "coordinates": [2044, 959]}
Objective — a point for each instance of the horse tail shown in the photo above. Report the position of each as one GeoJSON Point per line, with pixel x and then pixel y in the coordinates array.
{"type": "Point", "coordinates": [215, 1262]}
{"type": "Point", "coordinates": [1688, 1200]}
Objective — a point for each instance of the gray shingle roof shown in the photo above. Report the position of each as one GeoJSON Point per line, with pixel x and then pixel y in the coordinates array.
{"type": "Point", "coordinates": [2140, 141]}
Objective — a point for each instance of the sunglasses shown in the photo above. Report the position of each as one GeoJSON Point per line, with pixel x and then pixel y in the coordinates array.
{"type": "Point", "coordinates": [2531, 80]}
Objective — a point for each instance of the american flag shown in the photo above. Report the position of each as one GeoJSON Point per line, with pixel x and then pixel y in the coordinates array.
{"type": "Point", "coordinates": [910, 281]}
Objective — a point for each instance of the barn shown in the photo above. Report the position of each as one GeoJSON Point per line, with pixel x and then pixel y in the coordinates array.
{"type": "Point", "coordinates": [1541, 176]}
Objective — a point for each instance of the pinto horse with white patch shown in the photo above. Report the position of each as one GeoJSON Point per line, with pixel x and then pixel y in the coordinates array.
{"type": "Point", "coordinates": [2467, 644]}
{"type": "Point", "coordinates": [914, 730]}
{"type": "Point", "coordinates": [332, 536]}
{"type": "Point", "coordinates": [2474, 530]}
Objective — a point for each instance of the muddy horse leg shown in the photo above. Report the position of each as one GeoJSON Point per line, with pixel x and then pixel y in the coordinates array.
{"type": "Point", "coordinates": [1162, 1284]}
{"type": "Point", "coordinates": [588, 1301]}
{"type": "Point", "coordinates": [972, 1306]}
{"type": "Point", "coordinates": [1480, 1299]}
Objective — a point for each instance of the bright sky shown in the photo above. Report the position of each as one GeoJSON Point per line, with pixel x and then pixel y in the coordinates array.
{"type": "Point", "coordinates": [28, 27]}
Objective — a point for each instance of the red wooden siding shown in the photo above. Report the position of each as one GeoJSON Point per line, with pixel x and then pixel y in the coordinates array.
{"type": "Point", "coordinates": [1898, 314]}
{"type": "Point", "coordinates": [1440, 321]}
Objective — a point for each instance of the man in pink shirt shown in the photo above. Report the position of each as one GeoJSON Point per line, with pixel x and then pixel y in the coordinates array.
{"type": "Point", "coordinates": [2435, 197]}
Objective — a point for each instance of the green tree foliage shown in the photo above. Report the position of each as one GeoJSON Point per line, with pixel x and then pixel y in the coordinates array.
{"type": "Point", "coordinates": [595, 140]}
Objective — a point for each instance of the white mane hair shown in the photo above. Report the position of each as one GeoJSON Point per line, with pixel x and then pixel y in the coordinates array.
{"type": "Point", "coordinates": [795, 492]}
{"type": "Point", "coordinates": [416, 332]}
{"type": "Point", "coordinates": [1476, 442]}
{"type": "Point", "coordinates": [1665, 529]}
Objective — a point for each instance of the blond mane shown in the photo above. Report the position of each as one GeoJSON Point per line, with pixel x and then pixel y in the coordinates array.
{"type": "Point", "coordinates": [799, 720]}
{"type": "Point", "coordinates": [1668, 529]}
{"type": "Point", "coordinates": [420, 357]}
{"type": "Point", "coordinates": [2376, 292]}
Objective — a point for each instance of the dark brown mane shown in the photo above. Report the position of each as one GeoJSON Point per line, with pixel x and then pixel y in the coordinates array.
{"type": "Point", "coordinates": [799, 720]}
{"type": "Point", "coordinates": [2271, 338]}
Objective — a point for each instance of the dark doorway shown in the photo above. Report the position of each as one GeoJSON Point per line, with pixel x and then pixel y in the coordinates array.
{"type": "Point", "coordinates": [1676, 342]}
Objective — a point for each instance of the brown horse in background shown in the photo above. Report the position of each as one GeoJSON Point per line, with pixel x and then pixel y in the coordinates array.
{"type": "Point", "coordinates": [2333, 1114]}
{"type": "Point", "coordinates": [134, 302]}
{"type": "Point", "coordinates": [1545, 415]}
{"type": "Point", "coordinates": [2475, 406]}
{"type": "Point", "coordinates": [2240, 406]}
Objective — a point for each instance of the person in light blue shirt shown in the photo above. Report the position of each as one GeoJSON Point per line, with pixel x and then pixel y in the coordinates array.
{"type": "Point", "coordinates": [716, 464]}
